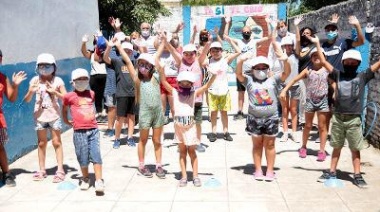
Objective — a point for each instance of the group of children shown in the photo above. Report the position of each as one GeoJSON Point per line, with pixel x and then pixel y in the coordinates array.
{"type": "Point", "coordinates": [139, 85]}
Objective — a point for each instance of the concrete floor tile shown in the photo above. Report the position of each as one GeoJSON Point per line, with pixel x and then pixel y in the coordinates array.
{"type": "Point", "coordinates": [317, 206]}
{"type": "Point", "coordinates": [200, 206]}
{"type": "Point", "coordinates": [28, 205]}
{"type": "Point", "coordinates": [80, 206]}
{"type": "Point", "coordinates": [262, 206]}
{"type": "Point", "coordinates": [254, 191]}
{"type": "Point", "coordinates": [308, 192]}
{"type": "Point", "coordinates": [148, 206]}
{"type": "Point", "coordinates": [152, 191]}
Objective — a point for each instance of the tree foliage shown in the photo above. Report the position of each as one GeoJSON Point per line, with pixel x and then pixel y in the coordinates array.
{"type": "Point", "coordinates": [131, 12]}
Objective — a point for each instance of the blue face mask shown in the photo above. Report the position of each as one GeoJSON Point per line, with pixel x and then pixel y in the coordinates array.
{"type": "Point", "coordinates": [331, 35]}
{"type": "Point", "coordinates": [45, 71]}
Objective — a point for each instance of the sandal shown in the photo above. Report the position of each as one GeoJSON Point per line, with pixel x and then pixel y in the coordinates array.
{"type": "Point", "coordinates": [59, 177]}
{"type": "Point", "coordinates": [183, 182]}
{"type": "Point", "coordinates": [39, 175]}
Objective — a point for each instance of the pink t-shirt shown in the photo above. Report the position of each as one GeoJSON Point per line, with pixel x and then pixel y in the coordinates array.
{"type": "Point", "coordinates": [46, 107]}
{"type": "Point", "coordinates": [196, 69]}
{"type": "Point", "coordinates": [82, 109]}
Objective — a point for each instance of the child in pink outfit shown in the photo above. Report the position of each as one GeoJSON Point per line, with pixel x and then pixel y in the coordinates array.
{"type": "Point", "coordinates": [184, 123]}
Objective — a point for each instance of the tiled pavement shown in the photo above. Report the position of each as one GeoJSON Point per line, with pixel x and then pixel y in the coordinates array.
{"type": "Point", "coordinates": [230, 163]}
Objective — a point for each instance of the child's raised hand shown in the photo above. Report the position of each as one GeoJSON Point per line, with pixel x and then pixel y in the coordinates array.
{"type": "Point", "coordinates": [334, 18]}
{"type": "Point", "coordinates": [18, 77]}
{"type": "Point", "coordinates": [85, 38]}
{"type": "Point", "coordinates": [246, 56]}
{"type": "Point", "coordinates": [353, 20]}
{"type": "Point", "coordinates": [281, 55]}
{"type": "Point", "coordinates": [34, 86]}
{"type": "Point", "coordinates": [227, 18]}
{"type": "Point", "coordinates": [117, 23]}
{"type": "Point", "coordinates": [298, 20]}
{"type": "Point", "coordinates": [314, 39]}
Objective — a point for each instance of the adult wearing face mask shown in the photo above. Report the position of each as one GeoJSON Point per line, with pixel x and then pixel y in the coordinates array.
{"type": "Point", "coordinates": [335, 46]}
{"type": "Point", "coordinates": [147, 39]}
{"type": "Point", "coordinates": [247, 45]}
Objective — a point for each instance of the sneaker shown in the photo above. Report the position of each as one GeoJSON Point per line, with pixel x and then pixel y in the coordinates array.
{"type": "Point", "coordinates": [84, 184]}
{"type": "Point", "coordinates": [284, 137]}
{"type": "Point", "coordinates": [259, 176]}
{"type": "Point", "coordinates": [239, 115]}
{"type": "Point", "coordinates": [197, 182]}
{"type": "Point", "coordinates": [302, 152]}
{"type": "Point", "coordinates": [99, 186]}
{"type": "Point", "coordinates": [160, 172]}
{"type": "Point", "coordinates": [131, 142]}
{"type": "Point", "coordinates": [182, 182]}
{"type": "Point", "coordinates": [321, 156]}
{"type": "Point", "coordinates": [200, 148]}
{"type": "Point", "coordinates": [212, 137]}
{"type": "Point", "coordinates": [270, 176]}
{"type": "Point", "coordinates": [109, 133]}
{"type": "Point", "coordinates": [227, 137]}
{"type": "Point", "coordinates": [317, 140]}
{"type": "Point", "coordinates": [9, 179]}
{"type": "Point", "coordinates": [116, 144]}
{"type": "Point", "coordinates": [359, 181]}
{"type": "Point", "coordinates": [145, 172]}
{"type": "Point", "coordinates": [325, 176]}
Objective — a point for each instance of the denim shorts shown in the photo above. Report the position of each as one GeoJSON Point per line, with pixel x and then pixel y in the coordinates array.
{"type": "Point", "coordinates": [262, 126]}
{"type": "Point", "coordinates": [55, 125]}
{"type": "Point", "coordinates": [198, 114]}
{"type": "Point", "coordinates": [87, 146]}
{"type": "Point", "coordinates": [321, 106]}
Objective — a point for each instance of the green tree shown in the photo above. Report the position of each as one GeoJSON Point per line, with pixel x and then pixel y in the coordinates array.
{"type": "Point", "coordinates": [131, 12]}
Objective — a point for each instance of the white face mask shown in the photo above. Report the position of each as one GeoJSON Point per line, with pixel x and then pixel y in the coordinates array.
{"type": "Point", "coordinates": [81, 85]}
{"type": "Point", "coordinates": [145, 33]}
{"type": "Point", "coordinates": [260, 74]}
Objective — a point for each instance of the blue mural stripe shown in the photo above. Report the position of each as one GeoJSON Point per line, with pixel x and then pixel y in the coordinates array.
{"type": "Point", "coordinates": [186, 16]}
{"type": "Point", "coordinates": [19, 115]}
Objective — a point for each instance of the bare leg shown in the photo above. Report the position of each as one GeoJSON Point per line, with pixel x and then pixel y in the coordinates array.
{"type": "Point", "coordinates": [270, 152]}
{"type": "Point", "coordinates": [57, 144]}
{"type": "Point", "coordinates": [293, 113]}
{"type": "Point", "coordinates": [306, 131]}
{"type": "Point", "coordinates": [322, 128]}
{"type": "Point", "coordinates": [111, 117]}
{"type": "Point", "coordinates": [194, 160]}
{"type": "Point", "coordinates": [42, 144]}
{"type": "Point", "coordinates": [84, 172]}
{"type": "Point", "coordinates": [257, 151]}
{"type": "Point", "coordinates": [118, 126]}
{"type": "Point", "coordinates": [157, 144]}
{"type": "Point", "coordinates": [224, 117]}
{"type": "Point", "coordinates": [98, 171]}
{"type": "Point", "coordinates": [285, 113]}
{"type": "Point", "coordinates": [3, 159]}
{"type": "Point", "coordinates": [182, 158]}
{"type": "Point", "coordinates": [144, 133]}
{"type": "Point", "coordinates": [356, 161]}
{"type": "Point", "coordinates": [131, 125]}
{"type": "Point", "coordinates": [334, 159]}
{"type": "Point", "coordinates": [214, 116]}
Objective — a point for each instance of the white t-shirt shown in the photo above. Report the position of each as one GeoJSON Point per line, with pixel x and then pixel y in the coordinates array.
{"type": "Point", "coordinates": [220, 85]}
{"type": "Point", "coordinates": [167, 60]}
{"type": "Point", "coordinates": [97, 68]}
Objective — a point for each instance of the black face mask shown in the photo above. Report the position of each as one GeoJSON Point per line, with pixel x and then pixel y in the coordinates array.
{"type": "Point", "coordinates": [349, 71]}
{"type": "Point", "coordinates": [304, 40]}
{"type": "Point", "coordinates": [203, 38]}
{"type": "Point", "coordinates": [246, 36]}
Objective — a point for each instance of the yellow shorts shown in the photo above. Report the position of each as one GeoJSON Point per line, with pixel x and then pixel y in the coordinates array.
{"type": "Point", "coordinates": [221, 103]}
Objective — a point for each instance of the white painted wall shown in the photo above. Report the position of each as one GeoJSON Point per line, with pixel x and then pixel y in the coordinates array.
{"type": "Point", "coordinates": [31, 27]}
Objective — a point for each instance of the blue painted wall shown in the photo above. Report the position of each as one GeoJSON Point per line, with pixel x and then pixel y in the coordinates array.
{"type": "Point", "coordinates": [19, 115]}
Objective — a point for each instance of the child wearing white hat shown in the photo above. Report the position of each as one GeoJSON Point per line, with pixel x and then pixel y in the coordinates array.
{"type": "Point", "coordinates": [184, 100]}
{"type": "Point", "coordinates": [86, 133]}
